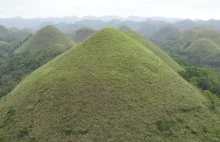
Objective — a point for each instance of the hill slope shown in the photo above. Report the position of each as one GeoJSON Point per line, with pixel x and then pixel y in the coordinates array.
{"type": "Point", "coordinates": [109, 88]}
{"type": "Point", "coordinates": [203, 47]}
{"type": "Point", "coordinates": [45, 37]}
{"type": "Point", "coordinates": [156, 50]}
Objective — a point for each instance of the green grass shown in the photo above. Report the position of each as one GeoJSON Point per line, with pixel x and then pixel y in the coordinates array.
{"type": "Point", "coordinates": [109, 88]}
{"type": "Point", "coordinates": [82, 34]}
{"type": "Point", "coordinates": [45, 37]}
{"type": "Point", "coordinates": [203, 48]}
{"type": "Point", "coordinates": [156, 50]}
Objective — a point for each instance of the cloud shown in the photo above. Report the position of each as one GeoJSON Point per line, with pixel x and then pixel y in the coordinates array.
{"type": "Point", "coordinates": [203, 9]}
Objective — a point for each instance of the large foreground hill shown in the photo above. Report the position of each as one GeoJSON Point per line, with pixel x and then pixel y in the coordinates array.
{"type": "Point", "coordinates": [109, 88]}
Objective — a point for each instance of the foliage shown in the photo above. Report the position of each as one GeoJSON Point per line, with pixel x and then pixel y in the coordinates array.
{"type": "Point", "coordinates": [204, 78]}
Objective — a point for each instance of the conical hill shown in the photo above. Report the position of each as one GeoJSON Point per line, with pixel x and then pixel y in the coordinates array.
{"type": "Point", "coordinates": [109, 88]}
{"type": "Point", "coordinates": [45, 37]}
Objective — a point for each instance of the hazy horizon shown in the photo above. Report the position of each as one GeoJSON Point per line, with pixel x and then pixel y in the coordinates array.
{"type": "Point", "coordinates": [183, 9]}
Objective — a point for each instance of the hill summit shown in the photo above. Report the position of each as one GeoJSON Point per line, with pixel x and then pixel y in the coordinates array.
{"type": "Point", "coordinates": [43, 38]}
{"type": "Point", "coordinates": [109, 88]}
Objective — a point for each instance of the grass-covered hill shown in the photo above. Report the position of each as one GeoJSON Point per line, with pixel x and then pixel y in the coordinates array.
{"type": "Point", "coordinates": [203, 47]}
{"type": "Point", "coordinates": [45, 37]}
{"type": "Point", "coordinates": [204, 51]}
{"type": "Point", "coordinates": [212, 35]}
{"type": "Point", "coordinates": [156, 50]}
{"type": "Point", "coordinates": [109, 88]}
{"type": "Point", "coordinates": [82, 33]}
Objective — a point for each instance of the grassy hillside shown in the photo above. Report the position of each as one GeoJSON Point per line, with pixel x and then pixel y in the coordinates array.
{"type": "Point", "coordinates": [109, 88]}
{"type": "Point", "coordinates": [203, 47]}
{"type": "Point", "coordinates": [82, 33]}
{"type": "Point", "coordinates": [45, 37]}
{"type": "Point", "coordinates": [156, 50]}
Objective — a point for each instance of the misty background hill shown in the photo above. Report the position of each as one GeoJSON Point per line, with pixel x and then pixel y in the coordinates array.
{"type": "Point", "coordinates": [145, 26]}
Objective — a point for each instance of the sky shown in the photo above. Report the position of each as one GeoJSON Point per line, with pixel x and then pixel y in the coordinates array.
{"type": "Point", "coordinates": [192, 9]}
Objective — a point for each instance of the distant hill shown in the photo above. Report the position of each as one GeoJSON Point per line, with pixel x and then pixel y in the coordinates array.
{"type": "Point", "coordinates": [5, 34]}
{"type": "Point", "coordinates": [189, 35]}
{"type": "Point", "coordinates": [209, 34]}
{"type": "Point", "coordinates": [109, 88]}
{"type": "Point", "coordinates": [21, 34]}
{"type": "Point", "coordinates": [204, 51]}
{"type": "Point", "coordinates": [203, 47]}
{"type": "Point", "coordinates": [167, 38]}
{"type": "Point", "coordinates": [45, 37]}
{"type": "Point", "coordinates": [82, 33]}
{"type": "Point", "coordinates": [124, 28]}
{"type": "Point", "coordinates": [156, 50]}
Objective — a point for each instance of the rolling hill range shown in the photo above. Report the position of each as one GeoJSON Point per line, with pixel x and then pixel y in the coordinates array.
{"type": "Point", "coordinates": [109, 88]}
{"type": "Point", "coordinates": [156, 50]}
{"type": "Point", "coordinates": [82, 33]}
{"type": "Point", "coordinates": [45, 37]}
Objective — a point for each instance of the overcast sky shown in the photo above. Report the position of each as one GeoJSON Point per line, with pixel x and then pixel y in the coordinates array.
{"type": "Point", "coordinates": [193, 9]}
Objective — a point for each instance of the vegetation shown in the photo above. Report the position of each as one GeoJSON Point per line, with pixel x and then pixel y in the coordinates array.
{"type": "Point", "coordinates": [109, 88]}
{"type": "Point", "coordinates": [45, 37]}
{"type": "Point", "coordinates": [156, 50]}
{"type": "Point", "coordinates": [203, 78]}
